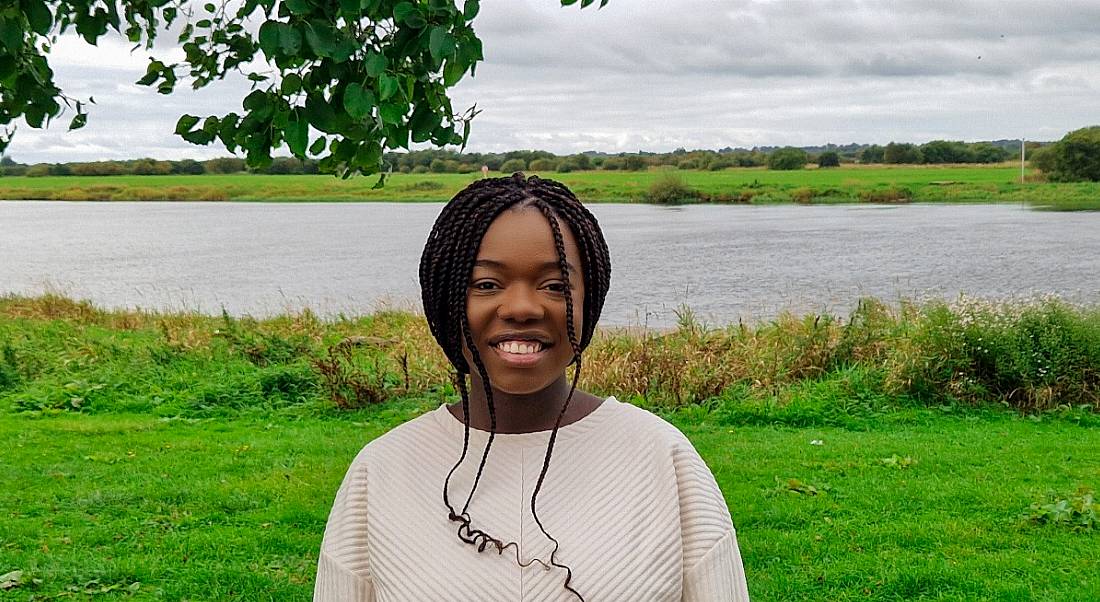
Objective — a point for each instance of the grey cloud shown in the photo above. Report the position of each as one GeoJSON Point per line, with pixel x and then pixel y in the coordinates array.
{"type": "Point", "coordinates": [658, 74]}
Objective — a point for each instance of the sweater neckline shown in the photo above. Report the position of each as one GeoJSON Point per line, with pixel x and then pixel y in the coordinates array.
{"type": "Point", "coordinates": [570, 431]}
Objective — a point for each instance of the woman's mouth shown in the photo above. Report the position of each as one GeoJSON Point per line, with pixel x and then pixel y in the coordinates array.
{"type": "Point", "coordinates": [520, 353]}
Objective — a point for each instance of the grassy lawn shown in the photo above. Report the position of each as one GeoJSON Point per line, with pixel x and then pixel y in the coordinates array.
{"type": "Point", "coordinates": [220, 509]}
{"type": "Point", "coordinates": [894, 455]}
{"type": "Point", "coordinates": [997, 183]}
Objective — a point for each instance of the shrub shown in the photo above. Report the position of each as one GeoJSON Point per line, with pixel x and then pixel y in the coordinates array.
{"type": "Point", "coordinates": [787, 158]}
{"type": "Point", "coordinates": [897, 153]}
{"type": "Point", "coordinates": [543, 165]}
{"type": "Point", "coordinates": [1077, 156]}
{"type": "Point", "coordinates": [894, 194]}
{"type": "Point", "coordinates": [872, 154]}
{"type": "Point", "coordinates": [828, 159]}
{"type": "Point", "coordinates": [634, 163]}
{"type": "Point", "coordinates": [1043, 159]}
{"type": "Point", "coordinates": [224, 165]}
{"type": "Point", "coordinates": [513, 165]}
{"type": "Point", "coordinates": [38, 170]}
{"type": "Point", "coordinates": [670, 189]}
{"type": "Point", "coordinates": [804, 195]}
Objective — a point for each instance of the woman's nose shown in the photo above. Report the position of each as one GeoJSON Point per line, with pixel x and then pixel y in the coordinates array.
{"type": "Point", "coordinates": [520, 303]}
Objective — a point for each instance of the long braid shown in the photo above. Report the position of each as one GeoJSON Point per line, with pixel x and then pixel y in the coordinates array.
{"type": "Point", "coordinates": [445, 268]}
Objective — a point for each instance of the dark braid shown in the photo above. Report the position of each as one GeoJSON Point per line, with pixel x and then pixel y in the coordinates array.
{"type": "Point", "coordinates": [445, 269]}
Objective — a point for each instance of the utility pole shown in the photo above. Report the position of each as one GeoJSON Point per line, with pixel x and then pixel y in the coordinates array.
{"type": "Point", "coordinates": [1023, 152]}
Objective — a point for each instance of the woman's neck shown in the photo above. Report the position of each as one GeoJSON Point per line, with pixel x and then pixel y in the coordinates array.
{"type": "Point", "coordinates": [526, 413]}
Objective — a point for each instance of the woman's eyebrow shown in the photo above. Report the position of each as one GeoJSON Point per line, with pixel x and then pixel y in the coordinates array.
{"type": "Point", "coordinates": [500, 265]}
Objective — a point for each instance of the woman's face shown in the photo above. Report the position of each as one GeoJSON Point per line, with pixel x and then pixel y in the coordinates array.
{"type": "Point", "coordinates": [515, 303]}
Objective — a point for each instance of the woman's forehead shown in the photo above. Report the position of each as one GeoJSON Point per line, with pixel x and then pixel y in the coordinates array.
{"type": "Point", "coordinates": [523, 238]}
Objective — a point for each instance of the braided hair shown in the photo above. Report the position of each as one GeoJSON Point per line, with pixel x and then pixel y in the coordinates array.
{"type": "Point", "coordinates": [445, 269]}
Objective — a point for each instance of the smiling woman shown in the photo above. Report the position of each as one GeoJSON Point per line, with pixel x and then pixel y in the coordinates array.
{"type": "Point", "coordinates": [513, 278]}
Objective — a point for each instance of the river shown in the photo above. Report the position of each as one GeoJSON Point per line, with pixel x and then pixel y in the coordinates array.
{"type": "Point", "coordinates": [725, 262]}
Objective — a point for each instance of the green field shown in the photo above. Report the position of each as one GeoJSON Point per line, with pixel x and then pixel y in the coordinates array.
{"type": "Point", "coordinates": [983, 184]}
{"type": "Point", "coordinates": [186, 457]}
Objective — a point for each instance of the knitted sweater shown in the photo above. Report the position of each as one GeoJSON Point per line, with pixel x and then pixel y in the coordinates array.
{"type": "Point", "coordinates": [637, 513]}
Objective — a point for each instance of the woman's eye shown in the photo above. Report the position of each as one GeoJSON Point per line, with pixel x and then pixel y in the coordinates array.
{"type": "Point", "coordinates": [557, 287]}
{"type": "Point", "coordinates": [484, 285]}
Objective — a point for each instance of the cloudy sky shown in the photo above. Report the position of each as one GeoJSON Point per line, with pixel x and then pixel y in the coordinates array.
{"type": "Point", "coordinates": [660, 74]}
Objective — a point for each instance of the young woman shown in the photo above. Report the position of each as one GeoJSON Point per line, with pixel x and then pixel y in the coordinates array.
{"type": "Point", "coordinates": [581, 497]}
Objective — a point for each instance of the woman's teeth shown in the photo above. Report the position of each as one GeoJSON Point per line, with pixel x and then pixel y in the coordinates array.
{"type": "Point", "coordinates": [520, 348]}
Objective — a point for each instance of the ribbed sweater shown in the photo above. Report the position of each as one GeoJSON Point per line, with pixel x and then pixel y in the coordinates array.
{"type": "Point", "coordinates": [638, 515]}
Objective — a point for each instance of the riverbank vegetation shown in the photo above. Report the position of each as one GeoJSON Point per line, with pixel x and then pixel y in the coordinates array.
{"type": "Point", "coordinates": [943, 450]}
{"type": "Point", "coordinates": [847, 184]}
{"type": "Point", "coordinates": [1042, 354]}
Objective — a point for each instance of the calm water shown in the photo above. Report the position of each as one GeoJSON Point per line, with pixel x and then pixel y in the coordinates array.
{"type": "Point", "coordinates": [725, 262]}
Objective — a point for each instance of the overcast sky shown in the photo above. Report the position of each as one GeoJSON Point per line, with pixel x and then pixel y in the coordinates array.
{"type": "Point", "coordinates": [660, 74]}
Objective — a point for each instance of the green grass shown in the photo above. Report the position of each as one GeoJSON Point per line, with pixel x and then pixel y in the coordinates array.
{"type": "Point", "coordinates": [182, 456]}
{"type": "Point", "coordinates": [757, 186]}
{"type": "Point", "coordinates": [234, 508]}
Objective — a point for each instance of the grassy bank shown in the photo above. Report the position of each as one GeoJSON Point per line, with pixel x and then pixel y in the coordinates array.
{"type": "Point", "coordinates": [57, 354]}
{"type": "Point", "coordinates": [755, 186]}
{"type": "Point", "coordinates": [936, 452]}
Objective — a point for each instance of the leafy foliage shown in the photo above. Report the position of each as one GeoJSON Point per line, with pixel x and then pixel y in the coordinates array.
{"type": "Point", "coordinates": [828, 159]}
{"type": "Point", "coordinates": [1074, 158]}
{"type": "Point", "coordinates": [787, 158]}
{"type": "Point", "coordinates": [344, 80]}
{"type": "Point", "coordinates": [1079, 512]}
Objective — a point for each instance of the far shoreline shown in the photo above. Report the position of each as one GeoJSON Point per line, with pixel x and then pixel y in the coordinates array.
{"type": "Point", "coordinates": [746, 186]}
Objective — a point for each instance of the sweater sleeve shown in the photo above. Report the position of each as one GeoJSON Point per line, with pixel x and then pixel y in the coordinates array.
{"type": "Point", "coordinates": [713, 571]}
{"type": "Point", "coordinates": [343, 565]}
{"type": "Point", "coordinates": [718, 576]}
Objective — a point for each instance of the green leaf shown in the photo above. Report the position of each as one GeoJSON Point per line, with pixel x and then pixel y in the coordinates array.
{"type": "Point", "coordinates": [369, 154]}
{"type": "Point", "coordinates": [320, 114]}
{"type": "Point", "coordinates": [258, 102]}
{"type": "Point", "coordinates": [79, 121]}
{"type": "Point", "coordinates": [297, 135]}
{"type": "Point", "coordinates": [270, 36]}
{"type": "Point", "coordinates": [441, 43]}
{"type": "Point", "coordinates": [423, 123]}
{"type": "Point", "coordinates": [38, 15]}
{"type": "Point", "coordinates": [320, 38]}
{"type": "Point", "coordinates": [290, 39]}
{"type": "Point", "coordinates": [387, 86]}
{"type": "Point", "coordinates": [210, 7]}
{"type": "Point", "coordinates": [185, 124]}
{"type": "Point", "coordinates": [297, 7]}
{"type": "Point", "coordinates": [11, 34]}
{"type": "Point", "coordinates": [350, 8]}
{"type": "Point", "coordinates": [358, 101]}
{"type": "Point", "coordinates": [318, 146]}
{"type": "Point", "coordinates": [470, 9]}
{"type": "Point", "coordinates": [392, 112]}
{"type": "Point", "coordinates": [402, 11]}
{"type": "Point", "coordinates": [375, 64]}
{"type": "Point", "coordinates": [453, 72]}
{"type": "Point", "coordinates": [291, 84]}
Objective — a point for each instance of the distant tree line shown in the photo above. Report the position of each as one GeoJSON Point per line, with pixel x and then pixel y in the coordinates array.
{"type": "Point", "coordinates": [446, 161]}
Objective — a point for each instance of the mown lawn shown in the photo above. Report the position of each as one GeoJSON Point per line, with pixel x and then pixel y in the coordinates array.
{"type": "Point", "coordinates": [998, 183]}
{"type": "Point", "coordinates": [928, 507]}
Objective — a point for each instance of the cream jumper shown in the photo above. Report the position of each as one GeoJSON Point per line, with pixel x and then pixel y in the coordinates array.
{"type": "Point", "coordinates": [637, 512]}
